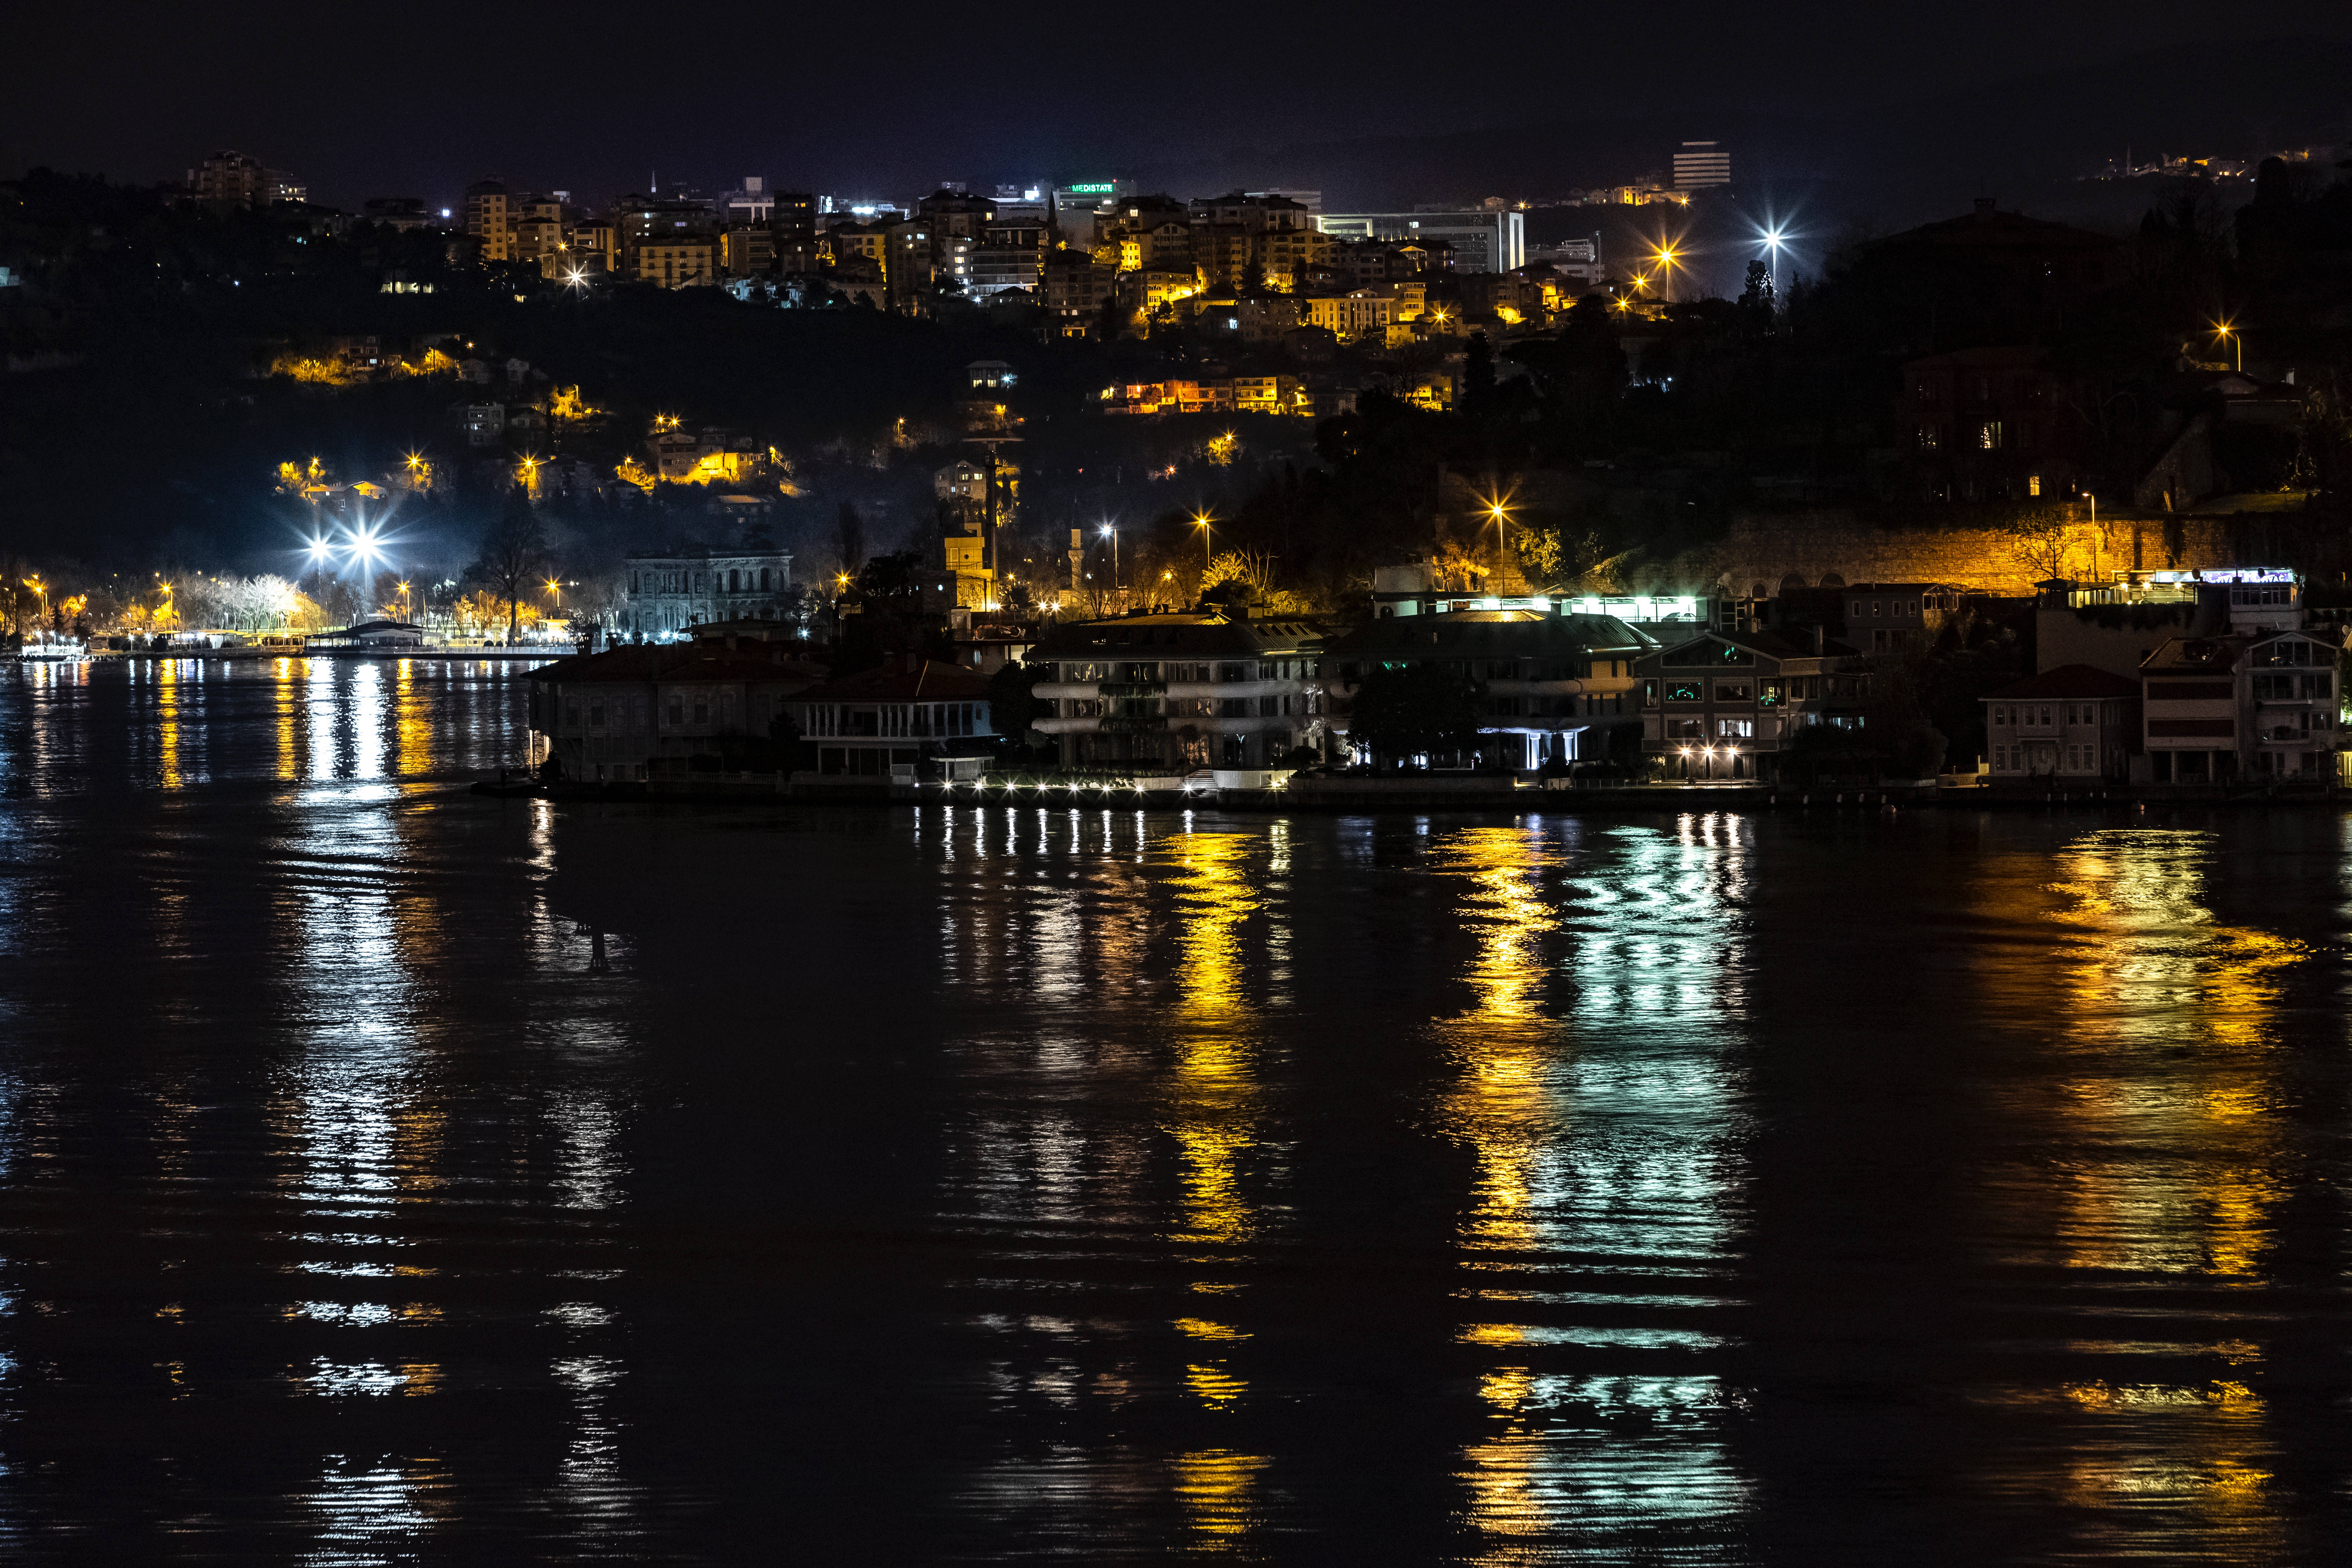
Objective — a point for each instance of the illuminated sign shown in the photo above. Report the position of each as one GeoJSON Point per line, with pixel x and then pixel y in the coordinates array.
{"type": "Point", "coordinates": [1099, 188]}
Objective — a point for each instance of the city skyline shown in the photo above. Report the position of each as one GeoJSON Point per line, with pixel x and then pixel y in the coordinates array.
{"type": "Point", "coordinates": [1734, 74]}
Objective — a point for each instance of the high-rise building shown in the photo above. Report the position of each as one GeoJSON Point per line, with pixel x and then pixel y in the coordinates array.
{"type": "Point", "coordinates": [1491, 240]}
{"type": "Point", "coordinates": [1700, 164]}
{"type": "Point", "coordinates": [753, 202]}
{"type": "Point", "coordinates": [490, 213]}
{"type": "Point", "coordinates": [234, 180]}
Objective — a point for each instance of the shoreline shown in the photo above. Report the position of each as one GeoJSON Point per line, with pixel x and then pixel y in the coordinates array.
{"type": "Point", "coordinates": [1354, 796]}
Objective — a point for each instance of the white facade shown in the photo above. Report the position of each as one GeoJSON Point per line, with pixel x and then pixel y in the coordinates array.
{"type": "Point", "coordinates": [1482, 241]}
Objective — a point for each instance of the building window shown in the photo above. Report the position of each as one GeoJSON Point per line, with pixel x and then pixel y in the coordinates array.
{"type": "Point", "coordinates": [1682, 692]}
{"type": "Point", "coordinates": [1734, 729]}
{"type": "Point", "coordinates": [1988, 435]}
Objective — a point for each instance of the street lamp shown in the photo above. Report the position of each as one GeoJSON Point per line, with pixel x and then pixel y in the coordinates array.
{"type": "Point", "coordinates": [1665, 258]}
{"type": "Point", "coordinates": [2236, 340]}
{"type": "Point", "coordinates": [1772, 246]}
{"type": "Point", "coordinates": [1500, 511]}
{"type": "Point", "coordinates": [1112, 535]}
{"type": "Point", "coordinates": [1201, 521]}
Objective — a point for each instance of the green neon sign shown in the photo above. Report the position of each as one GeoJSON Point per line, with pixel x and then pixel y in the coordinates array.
{"type": "Point", "coordinates": [1099, 188]}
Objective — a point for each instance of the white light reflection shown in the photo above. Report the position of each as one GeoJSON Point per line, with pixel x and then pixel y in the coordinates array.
{"type": "Point", "coordinates": [1605, 989]}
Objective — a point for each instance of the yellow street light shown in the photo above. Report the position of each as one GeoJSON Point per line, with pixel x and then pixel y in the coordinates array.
{"type": "Point", "coordinates": [2236, 340]}
{"type": "Point", "coordinates": [1499, 508]}
{"type": "Point", "coordinates": [1664, 260]}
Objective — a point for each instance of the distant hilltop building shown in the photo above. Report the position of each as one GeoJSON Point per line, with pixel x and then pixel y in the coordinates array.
{"type": "Point", "coordinates": [1311, 200]}
{"type": "Point", "coordinates": [1482, 240]}
{"type": "Point", "coordinates": [233, 179]}
{"type": "Point", "coordinates": [1700, 164]}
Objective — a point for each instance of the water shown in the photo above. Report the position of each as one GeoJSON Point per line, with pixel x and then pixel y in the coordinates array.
{"type": "Point", "coordinates": [389, 1175]}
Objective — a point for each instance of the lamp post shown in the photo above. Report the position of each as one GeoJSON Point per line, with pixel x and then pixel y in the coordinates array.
{"type": "Point", "coordinates": [1500, 513]}
{"type": "Point", "coordinates": [2237, 341]}
{"type": "Point", "coordinates": [1112, 535]}
{"type": "Point", "coordinates": [1772, 247]}
{"type": "Point", "coordinates": [1201, 521]}
{"type": "Point", "coordinates": [1665, 259]}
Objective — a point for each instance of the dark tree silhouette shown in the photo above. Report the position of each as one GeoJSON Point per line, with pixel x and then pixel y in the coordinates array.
{"type": "Point", "coordinates": [1424, 708]}
{"type": "Point", "coordinates": [513, 551]}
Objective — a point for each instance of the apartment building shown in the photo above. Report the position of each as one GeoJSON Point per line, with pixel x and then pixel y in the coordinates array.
{"type": "Point", "coordinates": [2073, 723]}
{"type": "Point", "coordinates": [1725, 704]}
{"type": "Point", "coordinates": [1167, 693]}
{"type": "Point", "coordinates": [670, 591]}
{"type": "Point", "coordinates": [1351, 316]}
{"type": "Point", "coordinates": [617, 715]}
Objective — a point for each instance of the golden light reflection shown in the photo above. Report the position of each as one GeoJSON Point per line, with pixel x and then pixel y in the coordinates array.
{"type": "Point", "coordinates": [1214, 1386]}
{"type": "Point", "coordinates": [2165, 1021]}
{"type": "Point", "coordinates": [1214, 1091]}
{"type": "Point", "coordinates": [167, 719]}
{"type": "Point", "coordinates": [1217, 1488]}
{"type": "Point", "coordinates": [411, 724]}
{"type": "Point", "coordinates": [1505, 1107]}
{"type": "Point", "coordinates": [287, 709]}
{"type": "Point", "coordinates": [2177, 1009]}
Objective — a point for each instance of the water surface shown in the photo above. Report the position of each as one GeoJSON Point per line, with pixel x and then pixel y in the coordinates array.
{"type": "Point", "coordinates": [389, 1175]}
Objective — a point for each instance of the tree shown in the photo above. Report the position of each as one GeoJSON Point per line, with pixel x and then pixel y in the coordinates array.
{"type": "Point", "coordinates": [1477, 375]}
{"type": "Point", "coordinates": [849, 539]}
{"type": "Point", "coordinates": [2037, 541]}
{"type": "Point", "coordinates": [1422, 709]}
{"type": "Point", "coordinates": [1012, 703]}
{"type": "Point", "coordinates": [513, 551]}
{"type": "Point", "coordinates": [1756, 300]}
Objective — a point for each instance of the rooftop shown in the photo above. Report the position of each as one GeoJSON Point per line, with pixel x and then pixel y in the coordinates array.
{"type": "Point", "coordinates": [1496, 633]}
{"type": "Point", "coordinates": [640, 662]}
{"type": "Point", "coordinates": [2069, 681]}
{"type": "Point", "coordinates": [1180, 634]}
{"type": "Point", "coordinates": [903, 680]}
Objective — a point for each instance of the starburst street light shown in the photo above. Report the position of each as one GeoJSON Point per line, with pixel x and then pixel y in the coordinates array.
{"type": "Point", "coordinates": [1200, 520]}
{"type": "Point", "coordinates": [1665, 258]}
{"type": "Point", "coordinates": [2235, 338]}
{"type": "Point", "coordinates": [364, 548]}
{"type": "Point", "coordinates": [1772, 238]}
{"type": "Point", "coordinates": [1111, 533]}
{"type": "Point", "coordinates": [1500, 508]}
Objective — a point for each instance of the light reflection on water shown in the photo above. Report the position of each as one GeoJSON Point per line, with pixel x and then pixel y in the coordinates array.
{"type": "Point", "coordinates": [1595, 1149]}
{"type": "Point", "coordinates": [2167, 1108]}
{"type": "Point", "coordinates": [389, 1175]}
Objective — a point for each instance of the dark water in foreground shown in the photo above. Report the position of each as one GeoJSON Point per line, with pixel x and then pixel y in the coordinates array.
{"type": "Point", "coordinates": [392, 1175]}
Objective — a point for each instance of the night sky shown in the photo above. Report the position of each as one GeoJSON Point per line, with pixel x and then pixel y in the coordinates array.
{"type": "Point", "coordinates": [597, 98]}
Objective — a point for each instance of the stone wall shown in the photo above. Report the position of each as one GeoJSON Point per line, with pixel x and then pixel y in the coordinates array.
{"type": "Point", "coordinates": [1773, 549]}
